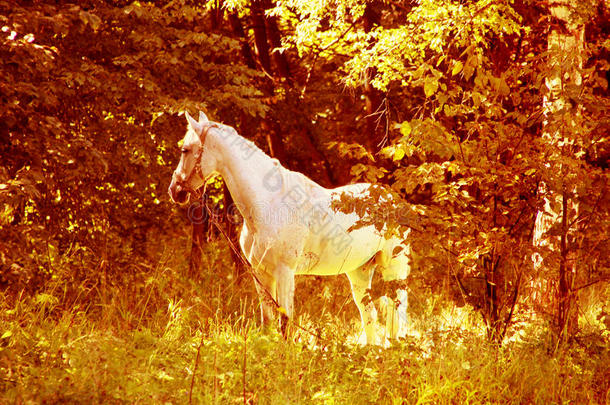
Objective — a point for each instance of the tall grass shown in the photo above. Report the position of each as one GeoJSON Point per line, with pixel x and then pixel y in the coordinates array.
{"type": "Point", "coordinates": [157, 336]}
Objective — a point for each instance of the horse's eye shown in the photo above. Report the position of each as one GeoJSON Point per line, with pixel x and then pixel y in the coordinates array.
{"type": "Point", "coordinates": [184, 150]}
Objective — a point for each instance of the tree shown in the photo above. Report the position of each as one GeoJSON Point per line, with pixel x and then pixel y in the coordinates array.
{"type": "Point", "coordinates": [467, 150]}
{"type": "Point", "coordinates": [560, 225]}
{"type": "Point", "coordinates": [91, 96]}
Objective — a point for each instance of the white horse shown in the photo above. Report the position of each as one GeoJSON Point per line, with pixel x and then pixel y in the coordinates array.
{"type": "Point", "coordinates": [290, 226]}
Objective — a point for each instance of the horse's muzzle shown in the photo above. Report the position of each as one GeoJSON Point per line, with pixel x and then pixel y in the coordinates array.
{"type": "Point", "coordinates": [177, 193]}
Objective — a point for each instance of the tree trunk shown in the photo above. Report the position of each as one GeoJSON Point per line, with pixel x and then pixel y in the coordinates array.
{"type": "Point", "coordinates": [324, 173]}
{"type": "Point", "coordinates": [500, 299]}
{"type": "Point", "coordinates": [267, 34]}
{"type": "Point", "coordinates": [238, 31]}
{"type": "Point", "coordinates": [216, 13]}
{"type": "Point", "coordinates": [198, 217]}
{"type": "Point", "coordinates": [260, 35]}
{"type": "Point", "coordinates": [232, 226]}
{"type": "Point", "coordinates": [375, 113]}
{"type": "Point", "coordinates": [566, 48]}
{"type": "Point", "coordinates": [275, 144]}
{"type": "Point", "coordinates": [269, 127]}
{"type": "Point", "coordinates": [275, 40]}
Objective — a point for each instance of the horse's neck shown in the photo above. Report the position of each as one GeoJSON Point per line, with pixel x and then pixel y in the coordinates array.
{"type": "Point", "coordinates": [243, 167]}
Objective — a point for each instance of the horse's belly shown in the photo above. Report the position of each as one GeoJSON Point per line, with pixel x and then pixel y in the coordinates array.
{"type": "Point", "coordinates": [326, 256]}
{"type": "Point", "coordinates": [331, 267]}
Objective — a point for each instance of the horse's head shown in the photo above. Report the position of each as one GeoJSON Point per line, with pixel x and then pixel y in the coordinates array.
{"type": "Point", "coordinates": [195, 165]}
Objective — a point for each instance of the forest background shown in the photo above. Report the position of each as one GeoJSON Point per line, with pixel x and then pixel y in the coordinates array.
{"type": "Point", "coordinates": [488, 119]}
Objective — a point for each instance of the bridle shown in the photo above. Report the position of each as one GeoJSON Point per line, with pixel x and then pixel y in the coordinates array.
{"type": "Point", "coordinates": [186, 183]}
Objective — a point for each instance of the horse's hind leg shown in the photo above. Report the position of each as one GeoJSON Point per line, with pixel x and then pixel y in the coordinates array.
{"type": "Point", "coordinates": [397, 269]}
{"type": "Point", "coordinates": [360, 280]}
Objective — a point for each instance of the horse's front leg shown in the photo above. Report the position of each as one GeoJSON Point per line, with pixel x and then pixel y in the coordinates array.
{"type": "Point", "coordinates": [265, 287]}
{"type": "Point", "coordinates": [284, 277]}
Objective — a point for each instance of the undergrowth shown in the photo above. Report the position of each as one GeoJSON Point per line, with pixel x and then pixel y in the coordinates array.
{"type": "Point", "coordinates": [158, 336]}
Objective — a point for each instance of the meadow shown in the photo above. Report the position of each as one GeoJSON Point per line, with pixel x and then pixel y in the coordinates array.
{"type": "Point", "coordinates": [158, 336]}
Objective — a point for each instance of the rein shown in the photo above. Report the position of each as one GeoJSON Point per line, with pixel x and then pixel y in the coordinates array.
{"type": "Point", "coordinates": [276, 306]}
{"type": "Point", "coordinates": [185, 184]}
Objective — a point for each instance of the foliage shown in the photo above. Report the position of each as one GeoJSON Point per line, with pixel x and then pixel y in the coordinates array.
{"type": "Point", "coordinates": [442, 103]}
{"type": "Point", "coordinates": [89, 127]}
{"type": "Point", "coordinates": [465, 83]}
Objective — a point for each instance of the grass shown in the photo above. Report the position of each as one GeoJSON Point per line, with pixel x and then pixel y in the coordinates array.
{"type": "Point", "coordinates": [171, 339]}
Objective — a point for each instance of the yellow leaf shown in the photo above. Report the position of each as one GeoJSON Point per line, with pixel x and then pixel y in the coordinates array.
{"type": "Point", "coordinates": [457, 68]}
{"type": "Point", "coordinates": [399, 153]}
{"type": "Point", "coordinates": [476, 99]}
{"type": "Point", "coordinates": [405, 128]}
{"type": "Point", "coordinates": [503, 88]}
{"type": "Point", "coordinates": [430, 86]}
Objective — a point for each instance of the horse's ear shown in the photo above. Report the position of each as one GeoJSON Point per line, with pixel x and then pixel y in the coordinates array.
{"type": "Point", "coordinates": [202, 118]}
{"type": "Point", "coordinates": [192, 123]}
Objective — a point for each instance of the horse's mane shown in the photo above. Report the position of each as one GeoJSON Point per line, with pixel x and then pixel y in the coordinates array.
{"type": "Point", "coordinates": [224, 127]}
{"type": "Point", "coordinates": [290, 178]}
{"type": "Point", "coordinates": [294, 179]}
